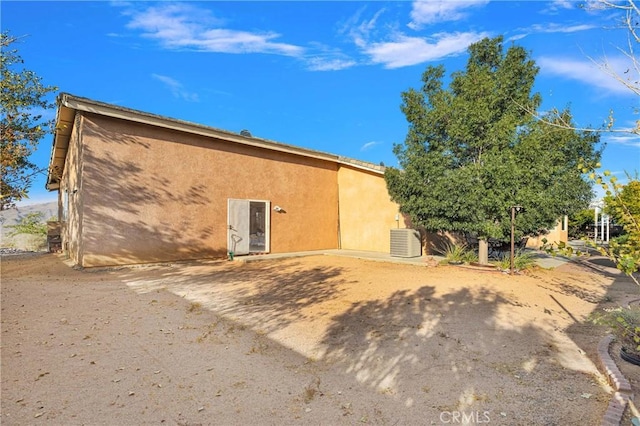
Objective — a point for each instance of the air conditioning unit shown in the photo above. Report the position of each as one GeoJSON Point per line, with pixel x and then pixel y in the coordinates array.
{"type": "Point", "coordinates": [405, 243]}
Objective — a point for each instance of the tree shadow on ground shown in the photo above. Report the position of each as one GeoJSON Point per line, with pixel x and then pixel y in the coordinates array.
{"type": "Point", "coordinates": [460, 352]}
{"type": "Point", "coordinates": [267, 294]}
{"type": "Point", "coordinates": [619, 294]}
{"type": "Point", "coordinates": [472, 349]}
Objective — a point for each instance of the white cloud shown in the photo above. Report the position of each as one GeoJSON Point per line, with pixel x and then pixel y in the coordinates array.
{"type": "Point", "coordinates": [361, 32]}
{"type": "Point", "coordinates": [559, 5]}
{"type": "Point", "coordinates": [550, 28]}
{"type": "Point", "coordinates": [321, 57]}
{"type": "Point", "coordinates": [626, 140]}
{"type": "Point", "coordinates": [564, 4]}
{"type": "Point", "coordinates": [405, 51]}
{"type": "Point", "coordinates": [369, 145]}
{"type": "Point", "coordinates": [321, 63]}
{"type": "Point", "coordinates": [517, 37]}
{"type": "Point", "coordinates": [433, 11]}
{"type": "Point", "coordinates": [176, 88]}
{"type": "Point", "coordinates": [587, 72]}
{"type": "Point", "coordinates": [561, 28]}
{"type": "Point", "coordinates": [385, 44]}
{"type": "Point", "coordinates": [183, 26]}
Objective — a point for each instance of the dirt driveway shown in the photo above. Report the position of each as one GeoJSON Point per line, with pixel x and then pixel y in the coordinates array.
{"type": "Point", "coordinates": [313, 340]}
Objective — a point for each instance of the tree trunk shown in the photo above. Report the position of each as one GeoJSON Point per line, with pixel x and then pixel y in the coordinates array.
{"type": "Point", "coordinates": [483, 251]}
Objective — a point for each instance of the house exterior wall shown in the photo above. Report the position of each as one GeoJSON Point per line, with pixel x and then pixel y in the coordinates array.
{"type": "Point", "coordinates": [558, 234]}
{"type": "Point", "coordinates": [367, 214]}
{"type": "Point", "coordinates": [151, 194]}
{"type": "Point", "coordinates": [70, 197]}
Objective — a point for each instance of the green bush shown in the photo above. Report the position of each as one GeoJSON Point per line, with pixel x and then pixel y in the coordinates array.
{"type": "Point", "coordinates": [32, 224]}
{"type": "Point", "coordinates": [579, 223]}
{"type": "Point", "coordinates": [624, 324]}
{"type": "Point", "coordinates": [470, 256]}
{"type": "Point", "coordinates": [453, 252]}
{"type": "Point", "coordinates": [522, 260]}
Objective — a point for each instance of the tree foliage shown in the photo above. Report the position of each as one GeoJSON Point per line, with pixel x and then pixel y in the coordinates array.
{"type": "Point", "coordinates": [622, 203]}
{"type": "Point", "coordinates": [473, 150]}
{"type": "Point", "coordinates": [32, 223]}
{"type": "Point", "coordinates": [22, 98]}
{"type": "Point", "coordinates": [579, 223]}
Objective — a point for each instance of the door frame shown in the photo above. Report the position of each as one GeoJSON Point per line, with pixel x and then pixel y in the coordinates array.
{"type": "Point", "coordinates": [267, 223]}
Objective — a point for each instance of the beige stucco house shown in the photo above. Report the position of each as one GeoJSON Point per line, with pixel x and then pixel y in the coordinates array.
{"type": "Point", "coordinates": [136, 187]}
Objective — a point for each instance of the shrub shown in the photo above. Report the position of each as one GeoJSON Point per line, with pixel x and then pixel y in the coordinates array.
{"type": "Point", "coordinates": [32, 224]}
{"type": "Point", "coordinates": [470, 256]}
{"type": "Point", "coordinates": [522, 260]}
{"type": "Point", "coordinates": [624, 324]}
{"type": "Point", "coordinates": [455, 252]}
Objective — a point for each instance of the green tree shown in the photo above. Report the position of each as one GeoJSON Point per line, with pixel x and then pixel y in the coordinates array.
{"type": "Point", "coordinates": [622, 203]}
{"type": "Point", "coordinates": [579, 223]}
{"type": "Point", "coordinates": [32, 223]}
{"type": "Point", "coordinates": [22, 97]}
{"type": "Point", "coordinates": [473, 150]}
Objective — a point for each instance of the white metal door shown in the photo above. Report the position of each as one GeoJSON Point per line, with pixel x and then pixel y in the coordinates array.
{"type": "Point", "coordinates": [238, 226]}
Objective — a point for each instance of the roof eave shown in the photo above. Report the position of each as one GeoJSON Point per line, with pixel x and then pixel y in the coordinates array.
{"type": "Point", "coordinates": [68, 105]}
{"type": "Point", "coordinates": [65, 117]}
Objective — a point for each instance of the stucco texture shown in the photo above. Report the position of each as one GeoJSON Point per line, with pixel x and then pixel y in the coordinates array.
{"type": "Point", "coordinates": [556, 235]}
{"type": "Point", "coordinates": [367, 214]}
{"type": "Point", "coordinates": [70, 199]}
{"type": "Point", "coordinates": [153, 194]}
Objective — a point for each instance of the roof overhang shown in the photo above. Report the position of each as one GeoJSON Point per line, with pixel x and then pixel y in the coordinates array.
{"type": "Point", "coordinates": [69, 105]}
{"type": "Point", "coordinates": [62, 134]}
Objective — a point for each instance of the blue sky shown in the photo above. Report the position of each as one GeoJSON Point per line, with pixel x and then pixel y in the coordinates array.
{"type": "Point", "coordinates": [321, 75]}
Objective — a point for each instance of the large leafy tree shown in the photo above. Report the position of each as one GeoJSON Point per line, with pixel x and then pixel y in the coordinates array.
{"type": "Point", "coordinates": [473, 150]}
{"type": "Point", "coordinates": [22, 98]}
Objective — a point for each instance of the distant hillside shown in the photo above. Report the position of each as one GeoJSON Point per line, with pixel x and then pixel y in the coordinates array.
{"type": "Point", "coordinates": [12, 216]}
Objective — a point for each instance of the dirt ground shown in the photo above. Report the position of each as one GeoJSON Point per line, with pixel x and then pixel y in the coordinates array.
{"type": "Point", "coordinates": [314, 340]}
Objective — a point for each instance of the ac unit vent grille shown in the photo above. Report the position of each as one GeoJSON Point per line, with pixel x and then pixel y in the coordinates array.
{"type": "Point", "coordinates": [405, 243]}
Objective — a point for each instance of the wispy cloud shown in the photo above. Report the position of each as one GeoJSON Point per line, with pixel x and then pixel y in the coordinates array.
{"type": "Point", "coordinates": [383, 43]}
{"type": "Point", "coordinates": [360, 30]}
{"type": "Point", "coordinates": [626, 140]}
{"type": "Point", "coordinates": [184, 26]}
{"type": "Point", "coordinates": [587, 72]}
{"type": "Point", "coordinates": [564, 4]}
{"type": "Point", "coordinates": [561, 28]}
{"type": "Point", "coordinates": [558, 5]}
{"type": "Point", "coordinates": [434, 11]}
{"type": "Point", "coordinates": [550, 28]}
{"type": "Point", "coordinates": [321, 57]}
{"type": "Point", "coordinates": [176, 88]}
{"type": "Point", "coordinates": [369, 145]}
{"type": "Point", "coordinates": [404, 51]}
{"type": "Point", "coordinates": [323, 63]}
